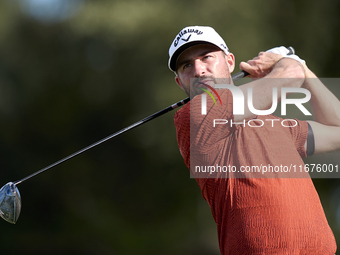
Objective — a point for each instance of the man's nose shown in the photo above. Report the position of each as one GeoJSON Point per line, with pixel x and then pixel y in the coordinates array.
{"type": "Point", "coordinates": [200, 68]}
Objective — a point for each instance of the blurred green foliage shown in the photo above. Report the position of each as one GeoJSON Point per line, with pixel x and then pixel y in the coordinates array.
{"type": "Point", "coordinates": [66, 83]}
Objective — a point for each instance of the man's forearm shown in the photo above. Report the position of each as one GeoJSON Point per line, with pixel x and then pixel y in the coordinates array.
{"type": "Point", "coordinates": [325, 105]}
{"type": "Point", "coordinates": [285, 73]}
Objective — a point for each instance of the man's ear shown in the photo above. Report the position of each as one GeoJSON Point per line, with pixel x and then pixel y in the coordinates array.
{"type": "Point", "coordinates": [231, 61]}
{"type": "Point", "coordinates": [178, 81]}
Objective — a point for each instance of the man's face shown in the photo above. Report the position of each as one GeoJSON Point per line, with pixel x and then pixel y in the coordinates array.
{"type": "Point", "coordinates": [207, 64]}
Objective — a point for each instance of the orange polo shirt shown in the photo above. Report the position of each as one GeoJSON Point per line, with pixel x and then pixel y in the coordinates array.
{"type": "Point", "coordinates": [276, 211]}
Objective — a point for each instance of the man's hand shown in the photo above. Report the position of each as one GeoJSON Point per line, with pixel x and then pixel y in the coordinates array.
{"type": "Point", "coordinates": [261, 65]}
{"type": "Point", "coordinates": [274, 66]}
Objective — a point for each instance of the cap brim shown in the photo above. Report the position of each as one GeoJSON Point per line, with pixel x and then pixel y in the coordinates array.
{"type": "Point", "coordinates": [179, 51]}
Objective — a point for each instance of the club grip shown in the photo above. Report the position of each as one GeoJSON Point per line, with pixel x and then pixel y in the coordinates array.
{"type": "Point", "coordinates": [239, 75]}
{"type": "Point", "coordinates": [291, 50]}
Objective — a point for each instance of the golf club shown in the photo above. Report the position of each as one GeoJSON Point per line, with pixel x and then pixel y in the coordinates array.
{"type": "Point", "coordinates": [10, 199]}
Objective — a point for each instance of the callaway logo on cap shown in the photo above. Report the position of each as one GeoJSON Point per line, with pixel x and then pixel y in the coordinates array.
{"type": "Point", "coordinates": [193, 35]}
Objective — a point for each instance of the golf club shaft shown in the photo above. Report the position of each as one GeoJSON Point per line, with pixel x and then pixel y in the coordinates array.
{"type": "Point", "coordinates": [235, 77]}
{"type": "Point", "coordinates": [151, 117]}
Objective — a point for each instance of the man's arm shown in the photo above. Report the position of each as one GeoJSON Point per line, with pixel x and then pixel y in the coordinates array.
{"type": "Point", "coordinates": [284, 72]}
{"type": "Point", "coordinates": [325, 106]}
{"type": "Point", "coordinates": [326, 115]}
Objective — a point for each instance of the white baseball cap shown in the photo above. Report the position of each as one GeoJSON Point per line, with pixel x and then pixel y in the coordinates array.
{"type": "Point", "coordinates": [190, 36]}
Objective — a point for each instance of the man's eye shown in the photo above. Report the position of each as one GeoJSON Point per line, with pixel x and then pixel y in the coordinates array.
{"type": "Point", "coordinates": [186, 66]}
{"type": "Point", "coordinates": [207, 56]}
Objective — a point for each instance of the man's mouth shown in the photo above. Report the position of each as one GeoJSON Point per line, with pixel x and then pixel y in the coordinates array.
{"type": "Point", "coordinates": [204, 83]}
{"type": "Point", "coordinates": [200, 85]}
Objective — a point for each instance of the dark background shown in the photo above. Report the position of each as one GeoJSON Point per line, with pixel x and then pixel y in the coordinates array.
{"type": "Point", "coordinates": [73, 72]}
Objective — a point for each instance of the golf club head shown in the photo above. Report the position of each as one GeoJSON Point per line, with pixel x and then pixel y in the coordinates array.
{"type": "Point", "coordinates": [10, 203]}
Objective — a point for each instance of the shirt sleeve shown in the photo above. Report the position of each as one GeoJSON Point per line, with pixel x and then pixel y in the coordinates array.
{"type": "Point", "coordinates": [299, 132]}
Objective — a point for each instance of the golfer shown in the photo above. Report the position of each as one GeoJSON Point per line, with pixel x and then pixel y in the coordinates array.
{"type": "Point", "coordinates": [279, 213]}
